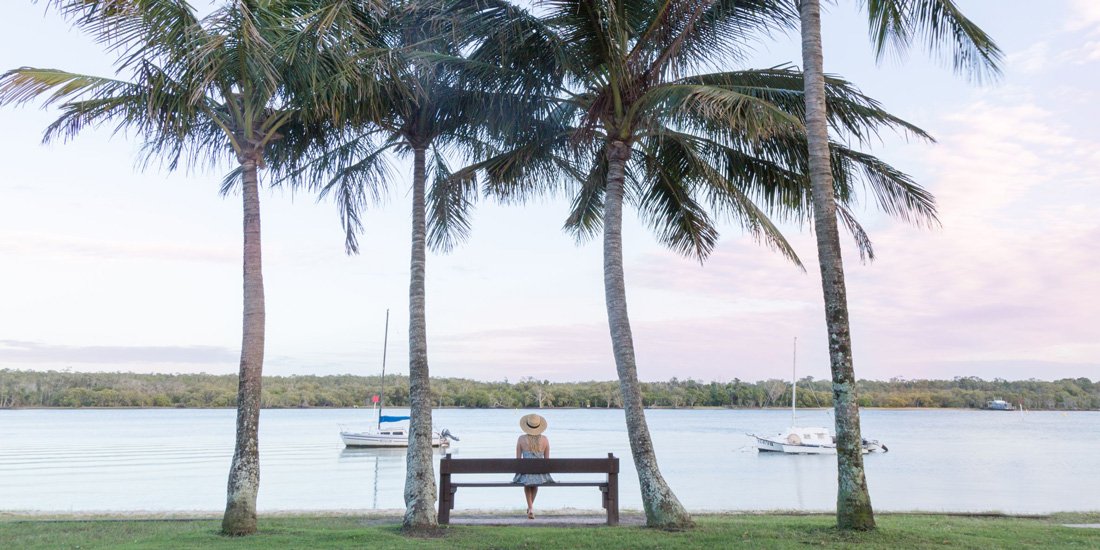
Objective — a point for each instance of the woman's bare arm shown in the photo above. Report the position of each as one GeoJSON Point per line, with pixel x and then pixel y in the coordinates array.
{"type": "Point", "coordinates": [545, 447]}
{"type": "Point", "coordinates": [519, 449]}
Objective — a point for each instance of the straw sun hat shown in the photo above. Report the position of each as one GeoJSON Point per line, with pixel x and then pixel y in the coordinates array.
{"type": "Point", "coordinates": [532, 424]}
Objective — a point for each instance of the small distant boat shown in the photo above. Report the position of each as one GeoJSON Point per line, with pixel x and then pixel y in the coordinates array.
{"type": "Point", "coordinates": [803, 440]}
{"type": "Point", "coordinates": [999, 405]}
{"type": "Point", "coordinates": [394, 436]}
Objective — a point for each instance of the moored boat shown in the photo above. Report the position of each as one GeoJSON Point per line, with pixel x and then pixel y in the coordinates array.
{"type": "Point", "coordinates": [805, 440]}
{"type": "Point", "coordinates": [808, 441]}
{"type": "Point", "coordinates": [389, 436]}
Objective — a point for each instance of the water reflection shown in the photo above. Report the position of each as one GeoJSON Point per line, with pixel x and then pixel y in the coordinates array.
{"type": "Point", "coordinates": [382, 459]}
{"type": "Point", "coordinates": [383, 454]}
{"type": "Point", "coordinates": [358, 454]}
{"type": "Point", "coordinates": [385, 463]}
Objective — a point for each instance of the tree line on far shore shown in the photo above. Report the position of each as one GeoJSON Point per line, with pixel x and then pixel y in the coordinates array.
{"type": "Point", "coordinates": [116, 389]}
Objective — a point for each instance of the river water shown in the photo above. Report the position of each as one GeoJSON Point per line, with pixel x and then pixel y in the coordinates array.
{"type": "Point", "coordinates": [178, 460]}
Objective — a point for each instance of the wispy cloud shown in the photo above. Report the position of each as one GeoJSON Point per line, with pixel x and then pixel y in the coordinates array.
{"type": "Point", "coordinates": [42, 245]}
{"type": "Point", "coordinates": [1076, 44]}
{"type": "Point", "coordinates": [20, 352]}
{"type": "Point", "coordinates": [1085, 14]}
{"type": "Point", "coordinates": [1032, 59]}
{"type": "Point", "coordinates": [549, 352]}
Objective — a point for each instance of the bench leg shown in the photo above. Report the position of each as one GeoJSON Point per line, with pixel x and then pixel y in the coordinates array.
{"type": "Point", "coordinates": [446, 499]}
{"type": "Point", "coordinates": [612, 497]}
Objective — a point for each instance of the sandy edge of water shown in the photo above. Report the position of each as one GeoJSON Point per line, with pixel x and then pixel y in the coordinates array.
{"type": "Point", "coordinates": [395, 515]}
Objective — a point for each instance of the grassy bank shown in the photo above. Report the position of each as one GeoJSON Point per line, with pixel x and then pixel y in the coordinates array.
{"type": "Point", "coordinates": [764, 531]}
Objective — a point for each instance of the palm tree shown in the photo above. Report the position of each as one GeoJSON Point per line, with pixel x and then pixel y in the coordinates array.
{"type": "Point", "coordinates": [221, 88]}
{"type": "Point", "coordinates": [682, 149]}
{"type": "Point", "coordinates": [440, 93]}
{"type": "Point", "coordinates": [892, 22]}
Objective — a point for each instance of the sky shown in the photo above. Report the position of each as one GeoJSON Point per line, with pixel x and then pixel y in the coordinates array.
{"type": "Point", "coordinates": [108, 267]}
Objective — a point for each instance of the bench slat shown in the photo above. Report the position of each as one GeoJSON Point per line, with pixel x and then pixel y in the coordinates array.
{"type": "Point", "coordinates": [555, 484]}
{"type": "Point", "coordinates": [528, 466]}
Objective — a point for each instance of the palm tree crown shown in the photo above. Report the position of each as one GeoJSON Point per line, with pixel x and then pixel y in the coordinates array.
{"type": "Point", "coordinates": [223, 87]}
{"type": "Point", "coordinates": [441, 92]}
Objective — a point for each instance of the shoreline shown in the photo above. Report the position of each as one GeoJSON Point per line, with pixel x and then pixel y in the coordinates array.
{"type": "Point", "coordinates": [397, 514]}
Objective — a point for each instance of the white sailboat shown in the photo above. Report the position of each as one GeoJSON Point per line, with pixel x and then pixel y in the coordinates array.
{"type": "Point", "coordinates": [397, 433]}
{"type": "Point", "coordinates": [805, 440]}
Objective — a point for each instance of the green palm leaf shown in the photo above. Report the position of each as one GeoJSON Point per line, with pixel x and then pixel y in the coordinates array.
{"type": "Point", "coordinates": [941, 26]}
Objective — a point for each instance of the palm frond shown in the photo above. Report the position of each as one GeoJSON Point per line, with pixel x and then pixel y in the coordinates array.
{"type": "Point", "coordinates": [944, 29]}
{"type": "Point", "coordinates": [231, 181]}
{"type": "Point", "coordinates": [752, 117]}
{"type": "Point", "coordinates": [863, 240]}
{"type": "Point", "coordinates": [138, 31]}
{"type": "Point", "coordinates": [355, 172]}
{"type": "Point", "coordinates": [698, 167]}
{"type": "Point", "coordinates": [51, 86]}
{"type": "Point", "coordinates": [851, 113]}
{"type": "Point", "coordinates": [684, 33]}
{"type": "Point", "coordinates": [585, 219]}
{"type": "Point", "coordinates": [449, 201]}
{"type": "Point", "coordinates": [894, 192]}
{"type": "Point", "coordinates": [679, 221]}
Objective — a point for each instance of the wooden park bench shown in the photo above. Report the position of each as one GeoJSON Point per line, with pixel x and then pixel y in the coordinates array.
{"type": "Point", "coordinates": [609, 486]}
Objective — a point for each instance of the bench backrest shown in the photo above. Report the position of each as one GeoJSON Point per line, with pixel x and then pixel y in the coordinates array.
{"type": "Point", "coordinates": [609, 465]}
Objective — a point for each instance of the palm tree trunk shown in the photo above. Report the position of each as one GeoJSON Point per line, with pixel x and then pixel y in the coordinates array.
{"type": "Point", "coordinates": [420, 474]}
{"type": "Point", "coordinates": [662, 508]}
{"type": "Point", "coordinates": [853, 506]}
{"type": "Point", "coordinates": [244, 473]}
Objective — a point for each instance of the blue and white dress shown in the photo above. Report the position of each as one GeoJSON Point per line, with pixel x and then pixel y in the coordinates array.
{"type": "Point", "coordinates": [532, 479]}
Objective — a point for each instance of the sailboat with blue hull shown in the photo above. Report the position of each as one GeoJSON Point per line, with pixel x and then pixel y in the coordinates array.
{"type": "Point", "coordinates": [388, 431]}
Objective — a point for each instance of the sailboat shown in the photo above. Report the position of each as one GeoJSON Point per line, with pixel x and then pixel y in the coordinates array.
{"type": "Point", "coordinates": [396, 434]}
{"type": "Point", "coordinates": [805, 440]}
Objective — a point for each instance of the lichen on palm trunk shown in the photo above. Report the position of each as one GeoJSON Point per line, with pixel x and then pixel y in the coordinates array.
{"type": "Point", "coordinates": [420, 495]}
{"type": "Point", "coordinates": [244, 472]}
{"type": "Point", "coordinates": [853, 500]}
{"type": "Point", "coordinates": [662, 508]}
{"type": "Point", "coordinates": [853, 506]}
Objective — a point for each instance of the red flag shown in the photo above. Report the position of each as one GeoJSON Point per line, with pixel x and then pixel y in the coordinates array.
{"type": "Point", "coordinates": [374, 399]}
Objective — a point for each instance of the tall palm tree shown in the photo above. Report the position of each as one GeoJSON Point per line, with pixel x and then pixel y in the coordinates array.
{"type": "Point", "coordinates": [441, 94]}
{"type": "Point", "coordinates": [894, 22]}
{"type": "Point", "coordinates": [221, 88]}
{"type": "Point", "coordinates": [629, 126]}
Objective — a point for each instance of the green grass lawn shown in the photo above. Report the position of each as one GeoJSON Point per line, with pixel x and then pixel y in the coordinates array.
{"type": "Point", "coordinates": [756, 531]}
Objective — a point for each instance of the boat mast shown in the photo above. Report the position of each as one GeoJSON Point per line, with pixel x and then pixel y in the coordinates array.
{"type": "Point", "coordinates": [794, 380]}
{"type": "Point", "coordinates": [382, 394]}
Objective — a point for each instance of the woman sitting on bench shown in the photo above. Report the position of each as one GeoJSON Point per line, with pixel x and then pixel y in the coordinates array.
{"type": "Point", "coordinates": [532, 445]}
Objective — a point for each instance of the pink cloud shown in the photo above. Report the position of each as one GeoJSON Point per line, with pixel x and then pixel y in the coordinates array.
{"type": "Point", "coordinates": [1010, 278]}
{"type": "Point", "coordinates": [68, 246]}
{"type": "Point", "coordinates": [1086, 15]}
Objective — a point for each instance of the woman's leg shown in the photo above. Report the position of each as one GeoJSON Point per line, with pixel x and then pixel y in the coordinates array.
{"type": "Point", "coordinates": [529, 492]}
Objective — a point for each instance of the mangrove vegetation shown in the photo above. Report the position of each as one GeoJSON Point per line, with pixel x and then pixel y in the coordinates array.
{"type": "Point", "coordinates": [120, 389]}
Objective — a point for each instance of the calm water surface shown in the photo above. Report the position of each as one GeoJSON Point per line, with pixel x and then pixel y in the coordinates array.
{"type": "Point", "coordinates": [174, 459]}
